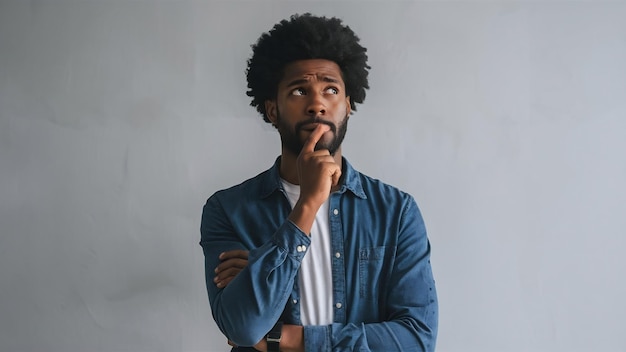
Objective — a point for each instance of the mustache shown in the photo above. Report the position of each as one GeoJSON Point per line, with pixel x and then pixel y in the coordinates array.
{"type": "Point", "coordinates": [300, 125]}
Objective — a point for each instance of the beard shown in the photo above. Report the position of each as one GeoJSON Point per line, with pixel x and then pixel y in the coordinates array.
{"type": "Point", "coordinates": [291, 138]}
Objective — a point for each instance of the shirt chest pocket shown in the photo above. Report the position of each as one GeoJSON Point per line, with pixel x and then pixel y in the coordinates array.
{"type": "Point", "coordinates": [374, 270]}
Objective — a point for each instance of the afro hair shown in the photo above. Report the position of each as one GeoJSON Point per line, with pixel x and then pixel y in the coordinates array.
{"type": "Point", "coordinates": [305, 37]}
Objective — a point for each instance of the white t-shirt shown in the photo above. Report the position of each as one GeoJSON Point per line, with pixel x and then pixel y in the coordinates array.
{"type": "Point", "coordinates": [315, 277]}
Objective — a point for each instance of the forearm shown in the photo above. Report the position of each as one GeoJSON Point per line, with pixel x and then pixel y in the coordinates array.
{"type": "Point", "coordinates": [303, 215]}
{"type": "Point", "coordinates": [248, 307]}
{"type": "Point", "coordinates": [398, 335]}
{"type": "Point", "coordinates": [292, 338]}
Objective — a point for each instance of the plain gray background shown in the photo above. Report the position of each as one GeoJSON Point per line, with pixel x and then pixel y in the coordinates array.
{"type": "Point", "coordinates": [506, 121]}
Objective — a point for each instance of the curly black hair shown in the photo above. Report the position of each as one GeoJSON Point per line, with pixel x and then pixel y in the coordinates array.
{"type": "Point", "coordinates": [305, 37]}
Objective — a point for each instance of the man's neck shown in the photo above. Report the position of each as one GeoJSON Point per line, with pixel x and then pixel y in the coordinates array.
{"type": "Point", "coordinates": [289, 165]}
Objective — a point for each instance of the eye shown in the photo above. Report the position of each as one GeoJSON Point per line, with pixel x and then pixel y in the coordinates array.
{"type": "Point", "coordinates": [332, 90]}
{"type": "Point", "coordinates": [298, 91]}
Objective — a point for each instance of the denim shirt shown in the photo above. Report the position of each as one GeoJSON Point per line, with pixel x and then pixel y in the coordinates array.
{"type": "Point", "coordinates": [383, 287]}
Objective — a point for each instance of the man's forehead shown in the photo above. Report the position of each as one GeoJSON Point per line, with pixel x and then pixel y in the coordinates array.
{"type": "Point", "coordinates": [321, 69]}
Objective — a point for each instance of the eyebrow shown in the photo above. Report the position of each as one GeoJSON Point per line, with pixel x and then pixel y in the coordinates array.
{"type": "Point", "coordinates": [300, 81]}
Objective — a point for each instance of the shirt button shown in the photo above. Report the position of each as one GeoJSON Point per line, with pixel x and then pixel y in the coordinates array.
{"type": "Point", "coordinates": [301, 248]}
{"type": "Point", "coordinates": [335, 211]}
{"type": "Point", "coordinates": [337, 255]}
{"type": "Point", "coordinates": [338, 305]}
{"type": "Point", "coordinates": [295, 301]}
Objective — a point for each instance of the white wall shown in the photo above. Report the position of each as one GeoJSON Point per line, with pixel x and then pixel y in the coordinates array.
{"type": "Point", "coordinates": [506, 120]}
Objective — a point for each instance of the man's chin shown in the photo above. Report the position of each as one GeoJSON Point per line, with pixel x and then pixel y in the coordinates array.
{"type": "Point", "coordinates": [327, 146]}
{"type": "Point", "coordinates": [322, 146]}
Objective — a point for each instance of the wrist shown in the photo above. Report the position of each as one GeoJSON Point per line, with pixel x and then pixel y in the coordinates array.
{"type": "Point", "coordinates": [303, 215]}
{"type": "Point", "coordinates": [292, 338]}
{"type": "Point", "coordinates": [274, 338]}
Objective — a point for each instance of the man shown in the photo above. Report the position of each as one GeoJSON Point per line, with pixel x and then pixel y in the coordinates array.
{"type": "Point", "coordinates": [337, 261]}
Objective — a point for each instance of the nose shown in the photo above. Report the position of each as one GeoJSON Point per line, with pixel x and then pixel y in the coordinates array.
{"type": "Point", "coordinates": [316, 105]}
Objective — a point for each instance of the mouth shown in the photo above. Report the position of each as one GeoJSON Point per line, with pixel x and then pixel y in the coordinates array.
{"type": "Point", "coordinates": [310, 126]}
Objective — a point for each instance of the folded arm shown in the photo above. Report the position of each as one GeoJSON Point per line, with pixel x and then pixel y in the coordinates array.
{"type": "Point", "coordinates": [249, 306]}
{"type": "Point", "coordinates": [410, 302]}
{"type": "Point", "coordinates": [411, 324]}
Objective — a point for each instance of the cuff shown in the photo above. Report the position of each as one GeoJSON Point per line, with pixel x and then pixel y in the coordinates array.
{"type": "Point", "coordinates": [317, 338]}
{"type": "Point", "coordinates": [291, 239]}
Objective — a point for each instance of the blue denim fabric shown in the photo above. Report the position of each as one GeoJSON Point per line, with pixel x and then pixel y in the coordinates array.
{"type": "Point", "coordinates": [382, 280]}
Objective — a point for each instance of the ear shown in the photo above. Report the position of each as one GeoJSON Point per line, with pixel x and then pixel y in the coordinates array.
{"type": "Point", "coordinates": [270, 111]}
{"type": "Point", "coordinates": [348, 107]}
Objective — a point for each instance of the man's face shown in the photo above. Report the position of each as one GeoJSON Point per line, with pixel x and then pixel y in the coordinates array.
{"type": "Point", "coordinates": [311, 92]}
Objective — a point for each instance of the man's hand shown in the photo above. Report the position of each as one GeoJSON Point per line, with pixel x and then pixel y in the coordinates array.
{"type": "Point", "coordinates": [232, 263]}
{"type": "Point", "coordinates": [318, 173]}
{"type": "Point", "coordinates": [317, 170]}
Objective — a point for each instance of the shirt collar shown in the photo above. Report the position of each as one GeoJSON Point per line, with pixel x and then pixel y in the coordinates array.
{"type": "Point", "coordinates": [350, 180]}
